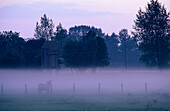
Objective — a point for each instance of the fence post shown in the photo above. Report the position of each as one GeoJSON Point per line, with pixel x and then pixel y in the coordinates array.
{"type": "Point", "coordinates": [74, 88]}
{"type": "Point", "coordinates": [26, 89]}
{"type": "Point", "coordinates": [2, 88]}
{"type": "Point", "coordinates": [99, 88]}
{"type": "Point", "coordinates": [121, 88]}
{"type": "Point", "coordinates": [146, 88]}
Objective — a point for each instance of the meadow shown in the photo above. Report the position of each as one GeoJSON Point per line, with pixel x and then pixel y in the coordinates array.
{"type": "Point", "coordinates": [118, 90]}
{"type": "Point", "coordinates": [92, 102]}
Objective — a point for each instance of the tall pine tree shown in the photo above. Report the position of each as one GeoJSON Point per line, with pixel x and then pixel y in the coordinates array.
{"type": "Point", "coordinates": [45, 28]}
{"type": "Point", "coordinates": [60, 37]}
{"type": "Point", "coordinates": [152, 32]}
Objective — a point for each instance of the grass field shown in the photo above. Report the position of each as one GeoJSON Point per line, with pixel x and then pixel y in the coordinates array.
{"type": "Point", "coordinates": [85, 102]}
{"type": "Point", "coordinates": [87, 96]}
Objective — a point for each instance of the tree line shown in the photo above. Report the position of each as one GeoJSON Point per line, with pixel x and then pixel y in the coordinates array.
{"type": "Point", "coordinates": [87, 46]}
{"type": "Point", "coordinates": [83, 46]}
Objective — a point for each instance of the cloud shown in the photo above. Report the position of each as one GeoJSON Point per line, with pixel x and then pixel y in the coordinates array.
{"type": "Point", "coordinates": [22, 18]}
{"type": "Point", "coordinates": [37, 9]}
{"type": "Point", "coordinates": [114, 6]}
{"type": "Point", "coordinates": [110, 15]}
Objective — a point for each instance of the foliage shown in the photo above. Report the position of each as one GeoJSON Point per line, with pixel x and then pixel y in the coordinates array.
{"type": "Point", "coordinates": [77, 32]}
{"type": "Point", "coordinates": [72, 54]}
{"type": "Point", "coordinates": [91, 51]}
{"type": "Point", "coordinates": [11, 48]}
{"type": "Point", "coordinates": [45, 28]}
{"type": "Point", "coordinates": [152, 32]}
{"type": "Point", "coordinates": [16, 52]}
{"type": "Point", "coordinates": [128, 49]}
{"type": "Point", "coordinates": [60, 37]}
{"type": "Point", "coordinates": [102, 58]}
{"type": "Point", "coordinates": [32, 52]}
{"type": "Point", "coordinates": [112, 43]}
{"type": "Point", "coordinates": [116, 49]}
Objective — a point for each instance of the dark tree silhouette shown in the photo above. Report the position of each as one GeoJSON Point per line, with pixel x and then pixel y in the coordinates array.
{"type": "Point", "coordinates": [128, 48]}
{"type": "Point", "coordinates": [32, 52]}
{"type": "Point", "coordinates": [123, 35]}
{"type": "Point", "coordinates": [112, 43]}
{"type": "Point", "coordinates": [77, 32]}
{"type": "Point", "coordinates": [73, 54]}
{"type": "Point", "coordinates": [89, 52]}
{"type": "Point", "coordinates": [96, 50]}
{"type": "Point", "coordinates": [11, 48]}
{"type": "Point", "coordinates": [102, 58]}
{"type": "Point", "coordinates": [60, 37]}
{"type": "Point", "coordinates": [45, 28]}
{"type": "Point", "coordinates": [16, 52]}
{"type": "Point", "coordinates": [152, 32]}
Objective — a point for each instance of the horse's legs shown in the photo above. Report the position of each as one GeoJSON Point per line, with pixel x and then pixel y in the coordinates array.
{"type": "Point", "coordinates": [39, 91]}
{"type": "Point", "coordinates": [51, 90]}
{"type": "Point", "coordinates": [48, 91]}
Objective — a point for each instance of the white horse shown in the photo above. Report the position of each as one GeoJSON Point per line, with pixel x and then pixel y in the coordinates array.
{"type": "Point", "coordinates": [45, 87]}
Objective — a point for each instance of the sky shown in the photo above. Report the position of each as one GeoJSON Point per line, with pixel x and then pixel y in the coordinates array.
{"type": "Point", "coordinates": [109, 15]}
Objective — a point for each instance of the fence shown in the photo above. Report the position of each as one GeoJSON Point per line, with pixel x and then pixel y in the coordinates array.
{"type": "Point", "coordinates": [75, 89]}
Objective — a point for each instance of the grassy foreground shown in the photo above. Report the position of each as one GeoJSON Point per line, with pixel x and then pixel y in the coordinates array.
{"type": "Point", "coordinates": [86, 102]}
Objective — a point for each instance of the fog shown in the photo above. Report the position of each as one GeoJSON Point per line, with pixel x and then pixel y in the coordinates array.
{"type": "Point", "coordinates": [86, 82]}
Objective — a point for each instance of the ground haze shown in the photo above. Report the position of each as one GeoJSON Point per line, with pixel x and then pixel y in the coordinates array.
{"type": "Point", "coordinates": [89, 90]}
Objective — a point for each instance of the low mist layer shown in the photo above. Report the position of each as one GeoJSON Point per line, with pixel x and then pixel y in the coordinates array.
{"type": "Point", "coordinates": [82, 82]}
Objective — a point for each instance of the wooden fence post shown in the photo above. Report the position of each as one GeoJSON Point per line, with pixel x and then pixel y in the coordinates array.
{"type": "Point", "coordinates": [99, 88]}
{"type": "Point", "coordinates": [74, 88]}
{"type": "Point", "coordinates": [26, 89]}
{"type": "Point", "coordinates": [121, 88]}
{"type": "Point", "coordinates": [2, 88]}
{"type": "Point", "coordinates": [146, 88]}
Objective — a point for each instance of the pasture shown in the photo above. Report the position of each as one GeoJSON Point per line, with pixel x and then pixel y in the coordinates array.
{"type": "Point", "coordinates": [102, 90]}
{"type": "Point", "coordinates": [92, 102]}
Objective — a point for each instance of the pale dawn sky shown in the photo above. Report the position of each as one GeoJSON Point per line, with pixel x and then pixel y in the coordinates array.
{"type": "Point", "coordinates": [110, 15]}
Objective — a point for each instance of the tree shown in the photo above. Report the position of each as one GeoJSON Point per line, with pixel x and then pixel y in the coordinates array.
{"type": "Point", "coordinates": [123, 36]}
{"type": "Point", "coordinates": [45, 28]}
{"type": "Point", "coordinates": [96, 50]}
{"type": "Point", "coordinates": [73, 54]}
{"type": "Point", "coordinates": [60, 37]}
{"type": "Point", "coordinates": [91, 52]}
{"type": "Point", "coordinates": [112, 43]}
{"type": "Point", "coordinates": [16, 52]}
{"type": "Point", "coordinates": [152, 32]}
{"type": "Point", "coordinates": [77, 32]}
{"type": "Point", "coordinates": [32, 52]}
{"type": "Point", "coordinates": [102, 58]}
{"type": "Point", "coordinates": [90, 43]}
{"type": "Point", "coordinates": [11, 49]}
{"type": "Point", "coordinates": [128, 49]}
